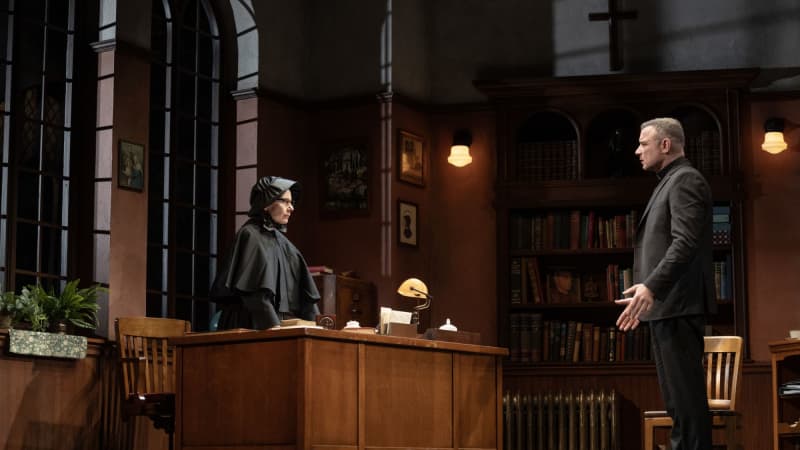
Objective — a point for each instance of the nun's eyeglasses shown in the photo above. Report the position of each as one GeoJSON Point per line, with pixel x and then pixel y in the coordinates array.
{"type": "Point", "coordinates": [285, 201]}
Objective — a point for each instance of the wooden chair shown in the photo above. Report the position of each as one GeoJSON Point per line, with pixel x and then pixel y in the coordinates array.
{"type": "Point", "coordinates": [148, 373]}
{"type": "Point", "coordinates": [723, 363]}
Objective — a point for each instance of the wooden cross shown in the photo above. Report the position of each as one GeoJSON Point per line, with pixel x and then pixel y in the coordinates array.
{"type": "Point", "coordinates": [612, 16]}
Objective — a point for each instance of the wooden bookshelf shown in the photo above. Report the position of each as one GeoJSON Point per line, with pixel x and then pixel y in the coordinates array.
{"type": "Point", "coordinates": [785, 408]}
{"type": "Point", "coordinates": [586, 130]}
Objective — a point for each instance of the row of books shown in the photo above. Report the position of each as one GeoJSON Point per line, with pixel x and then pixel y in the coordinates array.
{"type": "Point", "coordinates": [704, 152]}
{"type": "Point", "coordinates": [572, 230]}
{"type": "Point", "coordinates": [721, 232]}
{"type": "Point", "coordinates": [547, 161]}
{"type": "Point", "coordinates": [535, 340]}
{"type": "Point", "coordinates": [723, 280]}
{"type": "Point", "coordinates": [565, 285]}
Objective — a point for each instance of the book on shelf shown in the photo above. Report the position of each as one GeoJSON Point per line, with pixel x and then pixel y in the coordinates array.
{"type": "Point", "coordinates": [514, 350]}
{"type": "Point", "coordinates": [525, 337]}
{"type": "Point", "coordinates": [515, 283]}
{"type": "Point", "coordinates": [534, 281]}
{"type": "Point", "coordinates": [723, 280]}
{"type": "Point", "coordinates": [533, 340]}
{"type": "Point", "coordinates": [571, 230]}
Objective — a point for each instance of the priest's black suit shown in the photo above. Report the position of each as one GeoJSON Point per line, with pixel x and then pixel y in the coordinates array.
{"type": "Point", "coordinates": [673, 258]}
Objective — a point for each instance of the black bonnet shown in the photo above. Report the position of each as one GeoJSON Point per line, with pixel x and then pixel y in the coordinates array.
{"type": "Point", "coordinates": [267, 189]}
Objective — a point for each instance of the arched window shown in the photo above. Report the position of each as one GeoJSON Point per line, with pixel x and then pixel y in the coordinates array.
{"type": "Point", "coordinates": [184, 141]}
{"type": "Point", "coordinates": [36, 80]}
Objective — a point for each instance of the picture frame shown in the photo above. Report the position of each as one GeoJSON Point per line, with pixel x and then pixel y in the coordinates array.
{"type": "Point", "coordinates": [563, 285]}
{"type": "Point", "coordinates": [411, 158]}
{"type": "Point", "coordinates": [345, 179]}
{"type": "Point", "coordinates": [130, 166]}
{"type": "Point", "coordinates": [407, 223]}
{"type": "Point", "coordinates": [594, 287]}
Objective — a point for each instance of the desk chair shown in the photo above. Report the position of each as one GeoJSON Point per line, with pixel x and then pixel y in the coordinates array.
{"type": "Point", "coordinates": [148, 374]}
{"type": "Point", "coordinates": [723, 363]}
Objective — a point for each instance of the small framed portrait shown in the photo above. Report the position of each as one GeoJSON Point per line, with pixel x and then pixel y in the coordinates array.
{"type": "Point", "coordinates": [563, 286]}
{"type": "Point", "coordinates": [593, 287]}
{"type": "Point", "coordinates": [411, 158]}
{"type": "Point", "coordinates": [407, 224]}
{"type": "Point", "coordinates": [345, 179]}
{"type": "Point", "coordinates": [130, 159]}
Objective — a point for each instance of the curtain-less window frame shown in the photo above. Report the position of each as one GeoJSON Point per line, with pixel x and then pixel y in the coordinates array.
{"type": "Point", "coordinates": [170, 301]}
{"type": "Point", "coordinates": [11, 171]}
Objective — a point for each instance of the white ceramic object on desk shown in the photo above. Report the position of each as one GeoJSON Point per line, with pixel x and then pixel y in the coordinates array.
{"type": "Point", "coordinates": [352, 324]}
{"type": "Point", "coordinates": [794, 334]}
{"type": "Point", "coordinates": [448, 326]}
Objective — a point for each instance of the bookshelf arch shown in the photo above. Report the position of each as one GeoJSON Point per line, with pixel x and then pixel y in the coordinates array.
{"type": "Point", "coordinates": [547, 147]}
{"type": "Point", "coordinates": [611, 140]}
{"type": "Point", "coordinates": [703, 133]}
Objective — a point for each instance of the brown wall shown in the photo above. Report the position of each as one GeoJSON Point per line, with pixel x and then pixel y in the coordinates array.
{"type": "Point", "coordinates": [456, 252]}
{"type": "Point", "coordinates": [772, 222]}
{"type": "Point", "coordinates": [464, 249]}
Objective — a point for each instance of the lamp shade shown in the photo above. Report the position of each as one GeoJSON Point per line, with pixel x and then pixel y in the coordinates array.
{"type": "Point", "coordinates": [459, 151]}
{"type": "Point", "coordinates": [459, 156]}
{"type": "Point", "coordinates": [774, 142]}
{"type": "Point", "coordinates": [413, 287]}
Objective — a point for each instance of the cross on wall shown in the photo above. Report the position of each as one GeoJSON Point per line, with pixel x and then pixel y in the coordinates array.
{"type": "Point", "coordinates": [612, 17]}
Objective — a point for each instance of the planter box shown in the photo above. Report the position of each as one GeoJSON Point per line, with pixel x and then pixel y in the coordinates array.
{"type": "Point", "coordinates": [37, 343]}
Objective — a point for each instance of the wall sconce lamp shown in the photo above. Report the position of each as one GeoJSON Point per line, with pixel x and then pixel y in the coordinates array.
{"type": "Point", "coordinates": [415, 288]}
{"type": "Point", "coordinates": [774, 128]}
{"type": "Point", "coordinates": [459, 151]}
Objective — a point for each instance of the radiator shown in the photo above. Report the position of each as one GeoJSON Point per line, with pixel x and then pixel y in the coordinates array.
{"type": "Point", "coordinates": [561, 421]}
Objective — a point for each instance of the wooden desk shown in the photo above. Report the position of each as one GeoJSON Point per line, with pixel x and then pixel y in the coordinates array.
{"type": "Point", "coordinates": [332, 390]}
{"type": "Point", "coordinates": [785, 409]}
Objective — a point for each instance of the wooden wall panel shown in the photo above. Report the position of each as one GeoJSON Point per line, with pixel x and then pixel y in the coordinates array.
{"type": "Point", "coordinates": [409, 400]}
{"type": "Point", "coordinates": [254, 412]}
{"type": "Point", "coordinates": [334, 390]}
{"type": "Point", "coordinates": [50, 403]}
{"type": "Point", "coordinates": [475, 384]}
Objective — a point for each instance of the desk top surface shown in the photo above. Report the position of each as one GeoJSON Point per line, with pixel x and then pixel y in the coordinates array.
{"type": "Point", "coordinates": [244, 335]}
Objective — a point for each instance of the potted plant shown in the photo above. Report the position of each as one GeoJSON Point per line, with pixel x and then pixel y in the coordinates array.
{"type": "Point", "coordinates": [38, 308]}
{"type": "Point", "coordinates": [8, 302]}
{"type": "Point", "coordinates": [74, 307]}
{"type": "Point", "coordinates": [29, 308]}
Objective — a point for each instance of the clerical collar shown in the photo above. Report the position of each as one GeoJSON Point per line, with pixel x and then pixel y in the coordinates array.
{"type": "Point", "coordinates": [674, 164]}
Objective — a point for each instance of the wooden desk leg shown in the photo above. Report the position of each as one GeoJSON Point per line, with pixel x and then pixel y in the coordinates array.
{"type": "Point", "coordinates": [647, 434]}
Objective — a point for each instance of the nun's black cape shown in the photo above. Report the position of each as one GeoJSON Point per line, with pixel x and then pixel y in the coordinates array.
{"type": "Point", "coordinates": [264, 278]}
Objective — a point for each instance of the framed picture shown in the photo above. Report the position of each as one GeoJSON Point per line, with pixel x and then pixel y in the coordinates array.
{"type": "Point", "coordinates": [594, 287]}
{"type": "Point", "coordinates": [563, 286]}
{"type": "Point", "coordinates": [345, 179]}
{"type": "Point", "coordinates": [407, 223]}
{"type": "Point", "coordinates": [411, 158]}
{"type": "Point", "coordinates": [131, 166]}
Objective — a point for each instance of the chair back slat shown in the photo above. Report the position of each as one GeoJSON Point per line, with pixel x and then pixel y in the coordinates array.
{"type": "Point", "coordinates": [145, 356]}
{"type": "Point", "coordinates": [723, 364]}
